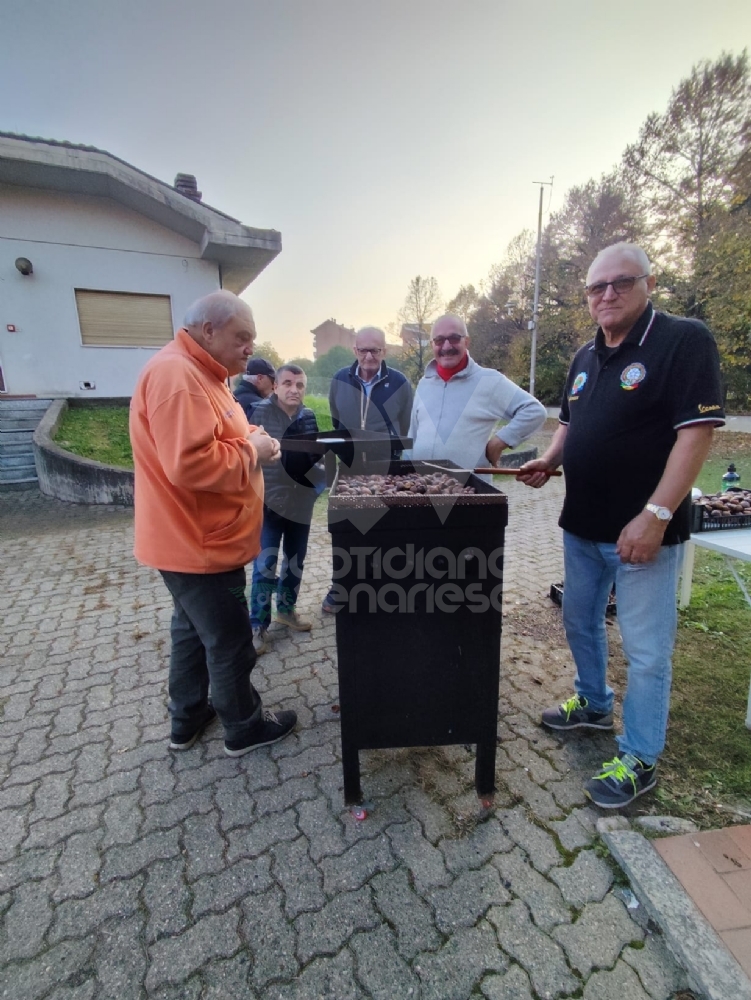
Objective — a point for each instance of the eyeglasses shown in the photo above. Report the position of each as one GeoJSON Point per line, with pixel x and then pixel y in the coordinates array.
{"type": "Point", "coordinates": [364, 351]}
{"type": "Point", "coordinates": [452, 338]}
{"type": "Point", "coordinates": [620, 286]}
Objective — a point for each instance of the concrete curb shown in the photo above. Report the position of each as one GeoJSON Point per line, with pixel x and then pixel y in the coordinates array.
{"type": "Point", "coordinates": [68, 477]}
{"type": "Point", "coordinates": [713, 970]}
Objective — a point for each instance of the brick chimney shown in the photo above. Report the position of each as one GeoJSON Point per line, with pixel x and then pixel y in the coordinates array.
{"type": "Point", "coordinates": [186, 184]}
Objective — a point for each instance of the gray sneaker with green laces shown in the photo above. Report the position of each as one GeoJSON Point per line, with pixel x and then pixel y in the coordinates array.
{"type": "Point", "coordinates": [576, 714]}
{"type": "Point", "coordinates": [621, 780]}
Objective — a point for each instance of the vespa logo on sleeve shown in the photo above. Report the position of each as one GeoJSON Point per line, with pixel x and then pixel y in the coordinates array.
{"type": "Point", "coordinates": [632, 375]}
{"type": "Point", "coordinates": [578, 384]}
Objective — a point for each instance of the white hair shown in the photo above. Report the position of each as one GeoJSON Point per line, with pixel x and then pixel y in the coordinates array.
{"type": "Point", "coordinates": [372, 329]}
{"type": "Point", "coordinates": [632, 250]}
{"type": "Point", "coordinates": [216, 308]}
{"type": "Point", "coordinates": [457, 319]}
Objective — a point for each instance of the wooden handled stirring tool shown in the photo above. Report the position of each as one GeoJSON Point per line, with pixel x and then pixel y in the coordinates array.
{"type": "Point", "coordinates": [481, 471]}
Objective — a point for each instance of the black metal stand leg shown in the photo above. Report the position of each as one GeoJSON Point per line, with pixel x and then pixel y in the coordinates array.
{"type": "Point", "coordinates": [485, 770]}
{"type": "Point", "coordinates": [351, 769]}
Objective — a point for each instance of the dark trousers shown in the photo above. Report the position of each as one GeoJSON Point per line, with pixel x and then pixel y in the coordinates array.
{"type": "Point", "coordinates": [292, 536]}
{"type": "Point", "coordinates": [212, 644]}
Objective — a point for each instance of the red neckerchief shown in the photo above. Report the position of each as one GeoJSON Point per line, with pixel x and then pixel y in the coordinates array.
{"type": "Point", "coordinates": [446, 373]}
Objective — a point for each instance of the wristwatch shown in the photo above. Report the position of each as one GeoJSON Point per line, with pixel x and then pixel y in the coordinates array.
{"type": "Point", "coordinates": [661, 513]}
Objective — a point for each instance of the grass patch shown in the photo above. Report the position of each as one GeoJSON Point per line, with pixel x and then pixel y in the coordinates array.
{"type": "Point", "coordinates": [100, 433]}
{"type": "Point", "coordinates": [727, 447]}
{"type": "Point", "coordinates": [320, 406]}
{"type": "Point", "coordinates": [707, 761]}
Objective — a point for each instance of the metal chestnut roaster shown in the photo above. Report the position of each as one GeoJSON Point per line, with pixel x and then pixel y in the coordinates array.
{"type": "Point", "coordinates": [419, 581]}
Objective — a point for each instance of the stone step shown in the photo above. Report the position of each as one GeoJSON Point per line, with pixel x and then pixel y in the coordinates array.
{"type": "Point", "coordinates": [16, 448]}
{"type": "Point", "coordinates": [24, 404]}
{"type": "Point", "coordinates": [27, 474]}
{"type": "Point", "coordinates": [17, 484]}
{"type": "Point", "coordinates": [21, 414]}
{"type": "Point", "coordinates": [25, 423]}
{"type": "Point", "coordinates": [24, 461]}
{"type": "Point", "coordinates": [16, 437]}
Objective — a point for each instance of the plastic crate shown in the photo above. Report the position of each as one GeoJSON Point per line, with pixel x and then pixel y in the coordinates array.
{"type": "Point", "coordinates": [723, 523]}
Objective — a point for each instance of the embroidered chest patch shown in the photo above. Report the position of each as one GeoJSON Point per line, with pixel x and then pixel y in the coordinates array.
{"type": "Point", "coordinates": [578, 384]}
{"type": "Point", "coordinates": [632, 375]}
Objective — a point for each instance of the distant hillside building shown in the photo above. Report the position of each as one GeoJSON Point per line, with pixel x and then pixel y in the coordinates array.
{"type": "Point", "coordinates": [331, 334]}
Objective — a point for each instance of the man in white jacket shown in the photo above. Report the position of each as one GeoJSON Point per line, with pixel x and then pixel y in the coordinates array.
{"type": "Point", "coordinates": [458, 404]}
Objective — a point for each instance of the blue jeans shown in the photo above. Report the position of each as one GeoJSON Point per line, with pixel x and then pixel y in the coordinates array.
{"type": "Point", "coordinates": [647, 617]}
{"type": "Point", "coordinates": [293, 538]}
{"type": "Point", "coordinates": [212, 643]}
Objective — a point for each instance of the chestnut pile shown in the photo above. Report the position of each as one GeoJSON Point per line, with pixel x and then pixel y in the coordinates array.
{"type": "Point", "coordinates": [412, 484]}
{"type": "Point", "coordinates": [733, 503]}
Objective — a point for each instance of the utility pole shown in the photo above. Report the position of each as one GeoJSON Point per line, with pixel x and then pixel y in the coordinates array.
{"type": "Point", "coordinates": [533, 323]}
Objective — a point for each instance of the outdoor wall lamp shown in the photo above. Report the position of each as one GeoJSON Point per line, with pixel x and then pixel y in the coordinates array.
{"type": "Point", "coordinates": [24, 265]}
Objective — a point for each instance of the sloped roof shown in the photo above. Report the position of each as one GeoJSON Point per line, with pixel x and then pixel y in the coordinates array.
{"type": "Point", "coordinates": [241, 251]}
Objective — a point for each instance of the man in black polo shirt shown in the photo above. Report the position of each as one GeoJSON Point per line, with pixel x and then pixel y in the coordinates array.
{"type": "Point", "coordinates": [640, 405]}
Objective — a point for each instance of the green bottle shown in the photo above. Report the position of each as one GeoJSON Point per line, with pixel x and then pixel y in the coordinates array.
{"type": "Point", "coordinates": [731, 478]}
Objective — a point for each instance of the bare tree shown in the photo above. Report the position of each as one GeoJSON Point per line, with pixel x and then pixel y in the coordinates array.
{"type": "Point", "coordinates": [421, 306]}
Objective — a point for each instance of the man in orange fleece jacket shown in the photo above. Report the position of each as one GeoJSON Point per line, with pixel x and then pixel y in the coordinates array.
{"type": "Point", "coordinates": [198, 516]}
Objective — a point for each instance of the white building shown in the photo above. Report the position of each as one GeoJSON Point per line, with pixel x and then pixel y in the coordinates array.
{"type": "Point", "coordinates": [98, 264]}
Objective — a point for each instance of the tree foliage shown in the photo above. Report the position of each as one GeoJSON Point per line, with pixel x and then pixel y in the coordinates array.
{"type": "Point", "coordinates": [682, 191]}
{"type": "Point", "coordinates": [724, 273]}
{"type": "Point", "coordinates": [305, 363]}
{"type": "Point", "coordinates": [265, 349]}
{"type": "Point", "coordinates": [464, 302]}
{"type": "Point", "coordinates": [330, 362]}
{"type": "Point", "coordinates": [686, 162]}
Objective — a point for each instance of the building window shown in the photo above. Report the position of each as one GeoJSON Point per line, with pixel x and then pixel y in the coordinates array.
{"type": "Point", "coordinates": [123, 319]}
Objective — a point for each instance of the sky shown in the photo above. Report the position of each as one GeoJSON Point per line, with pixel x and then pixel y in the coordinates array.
{"type": "Point", "coordinates": [383, 138]}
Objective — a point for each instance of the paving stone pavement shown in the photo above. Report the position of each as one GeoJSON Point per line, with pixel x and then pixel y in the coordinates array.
{"type": "Point", "coordinates": [128, 871]}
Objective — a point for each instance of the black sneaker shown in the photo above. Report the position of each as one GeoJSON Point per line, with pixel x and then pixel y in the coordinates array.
{"type": "Point", "coordinates": [184, 741]}
{"type": "Point", "coordinates": [329, 604]}
{"type": "Point", "coordinates": [576, 714]}
{"type": "Point", "coordinates": [622, 779]}
{"type": "Point", "coordinates": [274, 727]}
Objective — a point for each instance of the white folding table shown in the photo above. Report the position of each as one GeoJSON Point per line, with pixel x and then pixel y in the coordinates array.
{"type": "Point", "coordinates": [732, 543]}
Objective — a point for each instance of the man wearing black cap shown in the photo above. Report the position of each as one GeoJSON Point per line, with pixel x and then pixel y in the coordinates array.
{"type": "Point", "coordinates": [256, 384]}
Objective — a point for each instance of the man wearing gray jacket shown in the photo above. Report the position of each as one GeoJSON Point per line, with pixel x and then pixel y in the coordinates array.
{"type": "Point", "coordinates": [458, 404]}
